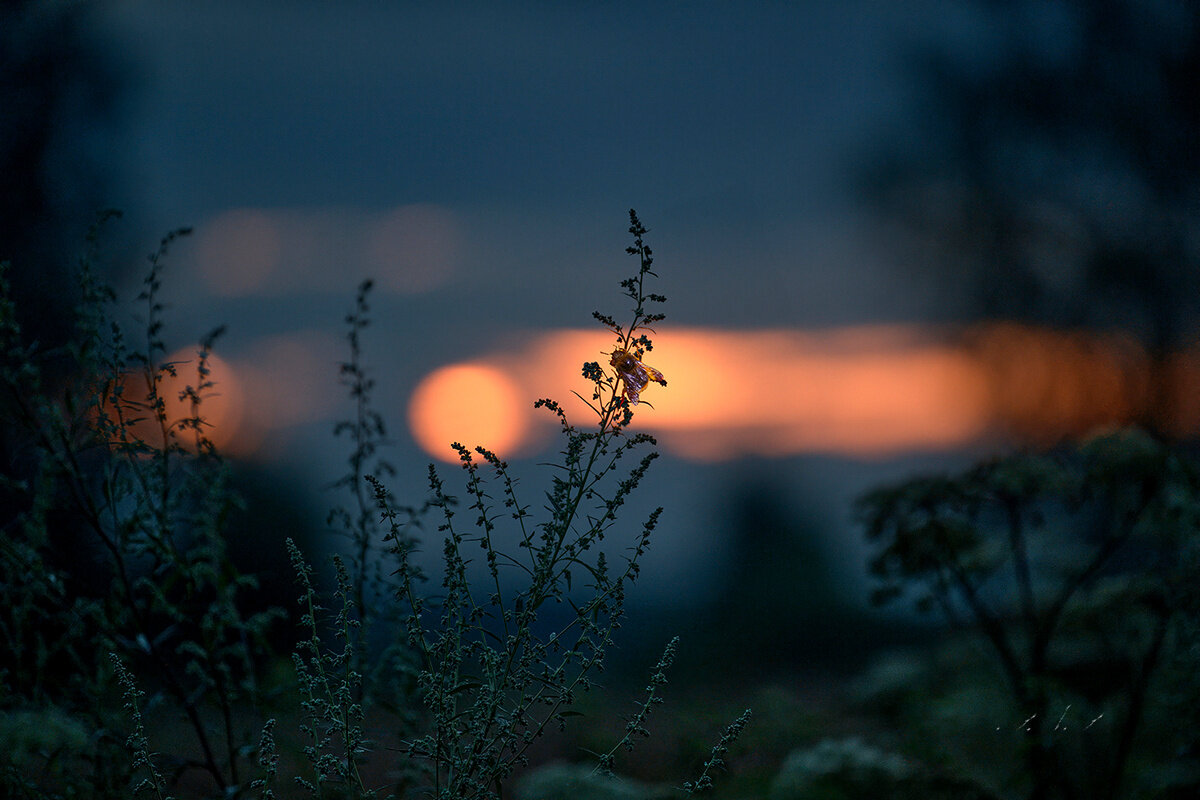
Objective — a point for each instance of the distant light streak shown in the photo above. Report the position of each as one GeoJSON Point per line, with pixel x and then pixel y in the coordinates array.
{"type": "Point", "coordinates": [864, 391]}
{"type": "Point", "coordinates": [247, 252]}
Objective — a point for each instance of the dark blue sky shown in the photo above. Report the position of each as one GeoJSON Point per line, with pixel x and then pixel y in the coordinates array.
{"type": "Point", "coordinates": [734, 129]}
{"type": "Point", "coordinates": [380, 103]}
{"type": "Point", "coordinates": [528, 130]}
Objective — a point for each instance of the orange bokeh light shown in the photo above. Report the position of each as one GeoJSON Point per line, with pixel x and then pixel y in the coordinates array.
{"type": "Point", "coordinates": [475, 404]}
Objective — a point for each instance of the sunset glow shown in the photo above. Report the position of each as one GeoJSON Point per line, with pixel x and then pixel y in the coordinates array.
{"type": "Point", "coordinates": [863, 391]}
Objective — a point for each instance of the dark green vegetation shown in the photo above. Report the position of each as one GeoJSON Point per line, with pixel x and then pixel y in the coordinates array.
{"type": "Point", "coordinates": [1079, 571]}
{"type": "Point", "coordinates": [128, 630]}
{"type": "Point", "coordinates": [137, 659]}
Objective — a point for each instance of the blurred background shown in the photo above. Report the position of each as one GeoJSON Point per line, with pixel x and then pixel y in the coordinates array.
{"type": "Point", "coordinates": [894, 237]}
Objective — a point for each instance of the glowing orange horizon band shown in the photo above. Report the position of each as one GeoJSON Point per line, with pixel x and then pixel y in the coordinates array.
{"type": "Point", "coordinates": [862, 391]}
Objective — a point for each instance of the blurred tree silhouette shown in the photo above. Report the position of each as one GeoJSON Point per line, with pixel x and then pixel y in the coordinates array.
{"type": "Point", "coordinates": [1055, 177]}
{"type": "Point", "coordinates": [56, 90]}
{"type": "Point", "coordinates": [781, 606]}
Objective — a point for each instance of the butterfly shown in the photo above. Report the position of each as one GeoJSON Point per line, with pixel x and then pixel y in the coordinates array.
{"type": "Point", "coordinates": [634, 374]}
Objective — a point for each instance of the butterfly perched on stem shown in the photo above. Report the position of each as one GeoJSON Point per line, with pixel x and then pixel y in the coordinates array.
{"type": "Point", "coordinates": [634, 374]}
